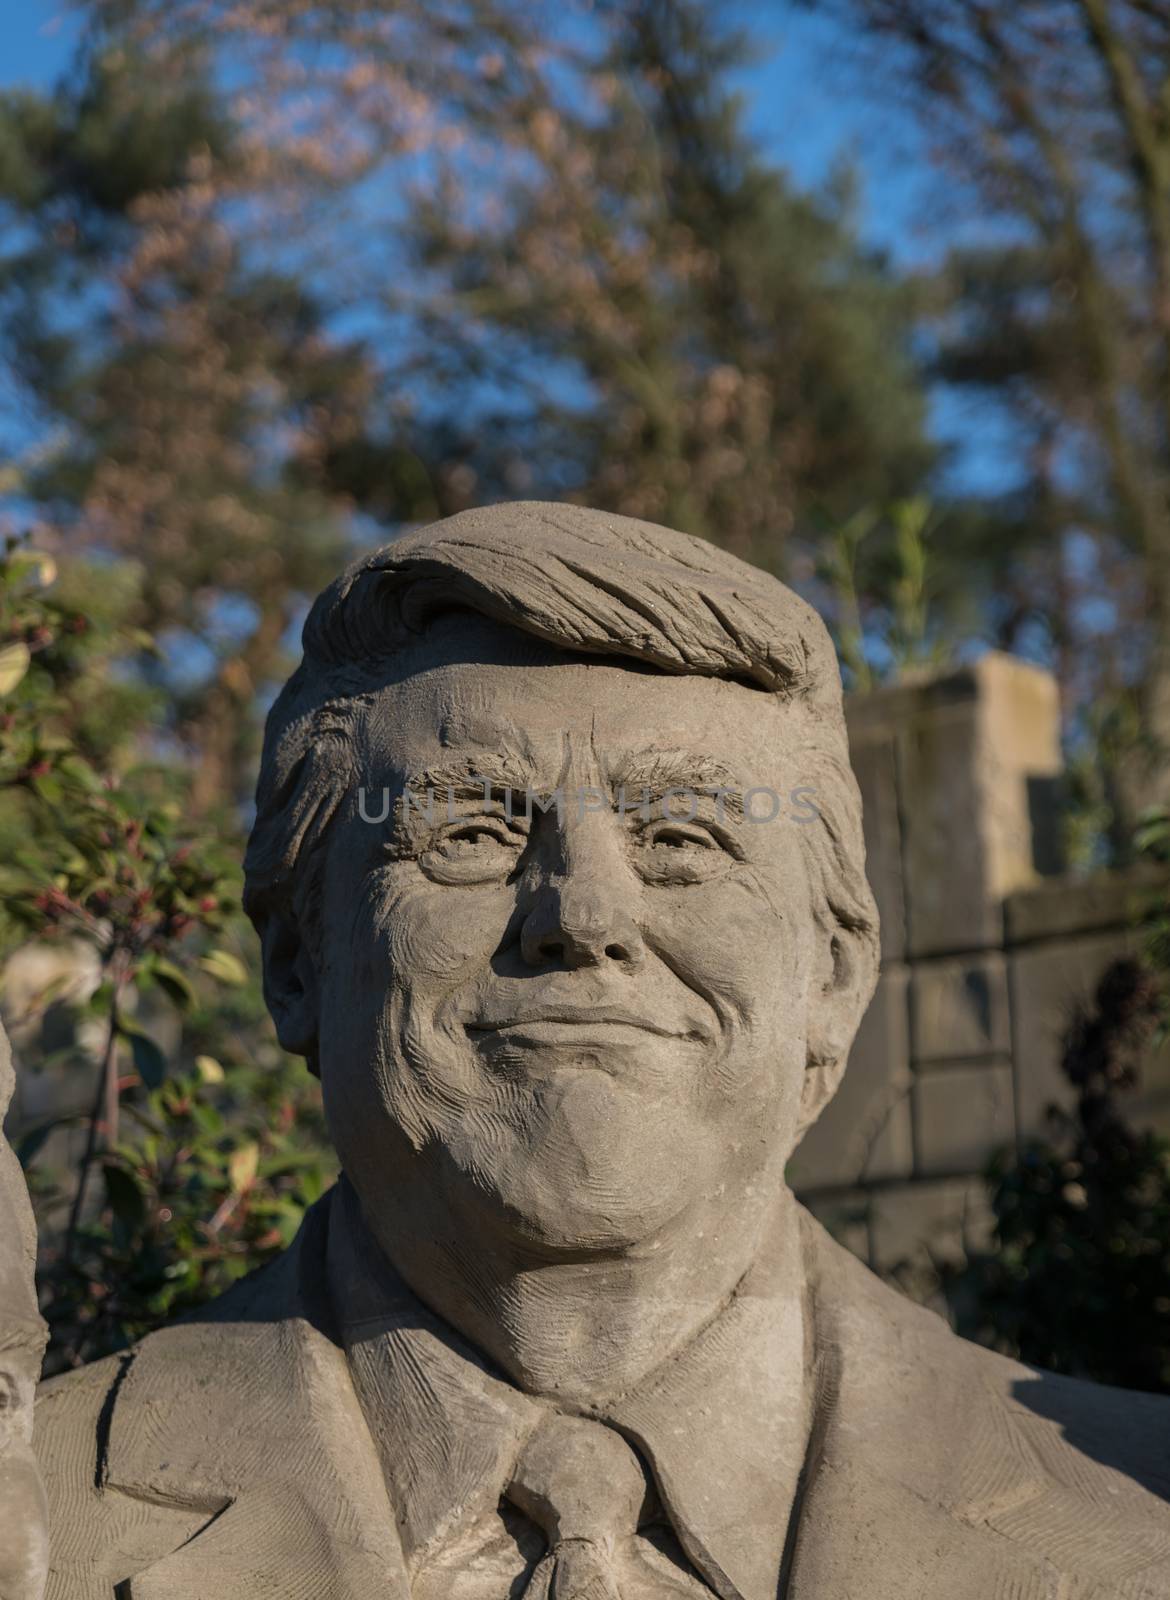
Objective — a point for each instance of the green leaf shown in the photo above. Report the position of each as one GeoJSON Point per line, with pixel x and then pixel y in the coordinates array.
{"type": "Point", "coordinates": [312, 1185]}
{"type": "Point", "coordinates": [242, 1165]}
{"type": "Point", "coordinates": [14, 663]}
{"type": "Point", "coordinates": [125, 1198]}
{"type": "Point", "coordinates": [174, 983]}
{"type": "Point", "coordinates": [99, 1001]}
{"type": "Point", "coordinates": [207, 1119]}
{"type": "Point", "coordinates": [79, 771]}
{"type": "Point", "coordinates": [287, 1225]}
{"type": "Point", "coordinates": [149, 1061]}
{"type": "Point", "coordinates": [209, 1069]}
{"type": "Point", "coordinates": [145, 641]}
{"type": "Point", "coordinates": [226, 967]}
{"type": "Point", "coordinates": [48, 788]}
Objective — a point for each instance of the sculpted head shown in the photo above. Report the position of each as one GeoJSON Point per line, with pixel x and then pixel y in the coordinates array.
{"type": "Point", "coordinates": [548, 999]}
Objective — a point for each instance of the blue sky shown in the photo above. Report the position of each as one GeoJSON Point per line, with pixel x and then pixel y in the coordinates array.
{"type": "Point", "coordinates": [806, 117]}
{"type": "Point", "coordinates": [35, 39]}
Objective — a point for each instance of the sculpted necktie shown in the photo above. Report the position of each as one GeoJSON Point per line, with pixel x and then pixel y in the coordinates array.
{"type": "Point", "coordinates": [582, 1484]}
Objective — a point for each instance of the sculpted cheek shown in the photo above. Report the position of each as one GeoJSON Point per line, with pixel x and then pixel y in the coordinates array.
{"type": "Point", "coordinates": [414, 929]}
{"type": "Point", "coordinates": [433, 941]}
{"type": "Point", "coordinates": [719, 935]}
{"type": "Point", "coordinates": [737, 942]}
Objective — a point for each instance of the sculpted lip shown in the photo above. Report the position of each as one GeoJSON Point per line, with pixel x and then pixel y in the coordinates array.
{"type": "Point", "coordinates": [578, 1016]}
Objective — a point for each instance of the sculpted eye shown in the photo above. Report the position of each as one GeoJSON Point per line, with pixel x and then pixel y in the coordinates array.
{"type": "Point", "coordinates": [474, 835]}
{"type": "Point", "coordinates": [674, 852]}
{"type": "Point", "coordinates": [475, 850]}
{"type": "Point", "coordinates": [679, 836]}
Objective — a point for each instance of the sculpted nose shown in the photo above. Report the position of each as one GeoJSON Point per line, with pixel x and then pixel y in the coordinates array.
{"type": "Point", "coordinates": [579, 925]}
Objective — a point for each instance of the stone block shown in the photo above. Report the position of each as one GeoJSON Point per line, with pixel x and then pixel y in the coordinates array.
{"type": "Point", "coordinates": [1066, 907]}
{"type": "Point", "coordinates": [1049, 982]}
{"type": "Point", "coordinates": [881, 713]}
{"type": "Point", "coordinates": [1018, 756]}
{"type": "Point", "coordinates": [43, 988]}
{"type": "Point", "coordinates": [968, 769]}
{"type": "Point", "coordinates": [962, 1116]}
{"type": "Point", "coordinates": [959, 1007]}
{"type": "Point", "coordinates": [939, 1222]}
{"type": "Point", "coordinates": [864, 1132]}
{"type": "Point", "coordinates": [949, 904]}
{"type": "Point", "coordinates": [874, 765]}
{"type": "Point", "coordinates": [38, 983]}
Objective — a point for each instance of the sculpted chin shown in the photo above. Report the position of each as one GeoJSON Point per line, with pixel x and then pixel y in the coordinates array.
{"type": "Point", "coordinates": [576, 975]}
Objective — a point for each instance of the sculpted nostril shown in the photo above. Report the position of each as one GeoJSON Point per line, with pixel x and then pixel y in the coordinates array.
{"type": "Point", "coordinates": [617, 952]}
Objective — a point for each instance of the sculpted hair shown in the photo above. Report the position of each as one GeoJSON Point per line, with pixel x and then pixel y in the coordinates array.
{"type": "Point", "coordinates": [583, 580]}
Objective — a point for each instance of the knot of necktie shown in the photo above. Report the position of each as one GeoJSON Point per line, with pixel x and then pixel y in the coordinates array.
{"type": "Point", "coordinates": [582, 1484]}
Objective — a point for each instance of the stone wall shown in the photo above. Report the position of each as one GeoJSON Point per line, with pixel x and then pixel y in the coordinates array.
{"type": "Point", "coordinates": [987, 949]}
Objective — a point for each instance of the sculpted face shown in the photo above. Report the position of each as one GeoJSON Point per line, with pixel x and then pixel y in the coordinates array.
{"type": "Point", "coordinates": [570, 1028]}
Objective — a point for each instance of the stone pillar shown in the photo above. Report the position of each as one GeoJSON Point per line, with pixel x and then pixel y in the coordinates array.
{"type": "Point", "coordinates": [963, 767]}
{"type": "Point", "coordinates": [957, 773]}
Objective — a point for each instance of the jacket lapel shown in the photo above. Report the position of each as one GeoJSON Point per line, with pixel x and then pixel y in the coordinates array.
{"type": "Point", "coordinates": [262, 1433]}
{"type": "Point", "coordinates": [447, 1431]}
{"type": "Point", "coordinates": [890, 1501]}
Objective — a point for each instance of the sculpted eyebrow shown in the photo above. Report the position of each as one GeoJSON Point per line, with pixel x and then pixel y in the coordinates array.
{"type": "Point", "coordinates": [467, 776]}
{"type": "Point", "coordinates": [430, 788]}
{"type": "Point", "coordinates": [651, 771]}
{"type": "Point", "coordinates": [658, 770]}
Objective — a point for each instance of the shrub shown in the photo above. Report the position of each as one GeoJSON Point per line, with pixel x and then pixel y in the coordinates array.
{"type": "Point", "coordinates": [196, 1162]}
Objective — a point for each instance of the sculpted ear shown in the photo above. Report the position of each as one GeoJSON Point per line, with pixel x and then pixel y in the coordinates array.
{"type": "Point", "coordinates": [290, 983]}
{"type": "Point", "coordinates": [843, 984]}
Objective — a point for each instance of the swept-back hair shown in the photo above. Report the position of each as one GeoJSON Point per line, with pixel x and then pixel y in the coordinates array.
{"type": "Point", "coordinates": [588, 582]}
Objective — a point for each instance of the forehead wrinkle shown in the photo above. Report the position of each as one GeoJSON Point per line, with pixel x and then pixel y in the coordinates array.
{"type": "Point", "coordinates": [472, 717]}
{"type": "Point", "coordinates": [498, 737]}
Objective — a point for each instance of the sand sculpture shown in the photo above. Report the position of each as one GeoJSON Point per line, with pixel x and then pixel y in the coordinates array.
{"type": "Point", "coordinates": [558, 876]}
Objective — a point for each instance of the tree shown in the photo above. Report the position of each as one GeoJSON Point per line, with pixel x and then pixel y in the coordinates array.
{"type": "Point", "coordinates": [1054, 117]}
{"type": "Point", "coordinates": [566, 273]}
{"type": "Point", "coordinates": [170, 312]}
{"type": "Point", "coordinates": [171, 386]}
{"type": "Point", "coordinates": [660, 323]}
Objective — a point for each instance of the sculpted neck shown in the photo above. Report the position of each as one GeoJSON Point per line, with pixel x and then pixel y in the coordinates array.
{"type": "Point", "coordinates": [579, 1330]}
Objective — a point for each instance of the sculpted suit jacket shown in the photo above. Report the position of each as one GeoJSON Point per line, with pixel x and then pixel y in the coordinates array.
{"type": "Point", "coordinates": [232, 1458]}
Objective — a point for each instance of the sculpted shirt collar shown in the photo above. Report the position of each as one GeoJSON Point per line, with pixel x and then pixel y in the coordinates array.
{"type": "Point", "coordinates": [725, 1425]}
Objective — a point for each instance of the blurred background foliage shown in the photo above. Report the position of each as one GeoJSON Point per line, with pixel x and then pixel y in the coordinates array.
{"type": "Point", "coordinates": [1077, 1278]}
{"type": "Point", "coordinates": [278, 279]}
{"type": "Point", "coordinates": [195, 1157]}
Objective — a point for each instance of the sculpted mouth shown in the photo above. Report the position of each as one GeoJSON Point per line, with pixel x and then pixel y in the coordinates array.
{"type": "Point", "coordinates": [579, 1016]}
